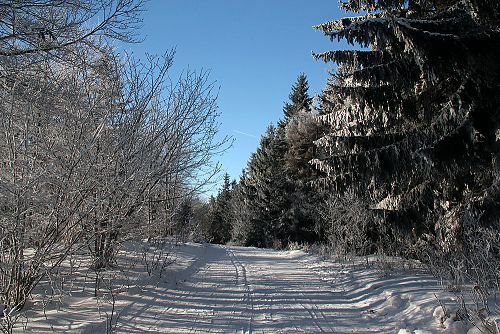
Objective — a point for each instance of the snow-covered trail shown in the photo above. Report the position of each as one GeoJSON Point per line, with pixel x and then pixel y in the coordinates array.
{"type": "Point", "coordinates": [227, 289]}
{"type": "Point", "coordinates": [248, 290]}
{"type": "Point", "coordinates": [239, 290]}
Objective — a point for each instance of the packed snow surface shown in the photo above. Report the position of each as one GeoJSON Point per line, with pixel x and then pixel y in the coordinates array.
{"type": "Point", "coordinates": [226, 289]}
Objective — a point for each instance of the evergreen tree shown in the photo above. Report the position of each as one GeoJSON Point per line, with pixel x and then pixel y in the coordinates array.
{"type": "Point", "coordinates": [248, 228]}
{"type": "Point", "coordinates": [239, 208]}
{"type": "Point", "coordinates": [414, 115]}
{"type": "Point", "coordinates": [300, 130]}
{"type": "Point", "coordinates": [220, 221]}
{"type": "Point", "coordinates": [265, 183]}
{"type": "Point", "coordinates": [299, 98]}
{"type": "Point", "coordinates": [183, 219]}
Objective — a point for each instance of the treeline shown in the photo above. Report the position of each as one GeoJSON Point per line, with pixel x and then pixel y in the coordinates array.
{"type": "Point", "coordinates": [274, 202]}
{"type": "Point", "coordinates": [95, 147]}
{"type": "Point", "coordinates": [400, 154]}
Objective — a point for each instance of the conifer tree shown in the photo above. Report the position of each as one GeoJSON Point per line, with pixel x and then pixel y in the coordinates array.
{"type": "Point", "coordinates": [299, 98]}
{"type": "Point", "coordinates": [300, 130]}
{"type": "Point", "coordinates": [414, 115]}
{"type": "Point", "coordinates": [266, 182]}
{"type": "Point", "coordinates": [239, 207]}
{"type": "Point", "coordinates": [248, 228]}
{"type": "Point", "coordinates": [218, 226]}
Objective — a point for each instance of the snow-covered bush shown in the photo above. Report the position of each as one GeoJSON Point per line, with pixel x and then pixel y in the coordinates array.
{"type": "Point", "coordinates": [349, 225]}
{"type": "Point", "coordinates": [468, 261]}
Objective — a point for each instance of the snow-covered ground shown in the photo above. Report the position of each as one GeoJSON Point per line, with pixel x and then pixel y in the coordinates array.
{"type": "Point", "coordinates": [227, 289]}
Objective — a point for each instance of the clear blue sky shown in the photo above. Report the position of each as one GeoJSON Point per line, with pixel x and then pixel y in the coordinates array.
{"type": "Point", "coordinates": [254, 51]}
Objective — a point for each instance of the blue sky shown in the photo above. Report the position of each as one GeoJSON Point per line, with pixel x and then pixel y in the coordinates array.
{"type": "Point", "coordinates": [254, 51]}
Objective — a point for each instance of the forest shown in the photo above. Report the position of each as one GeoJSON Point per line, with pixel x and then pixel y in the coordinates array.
{"type": "Point", "coordinates": [398, 156]}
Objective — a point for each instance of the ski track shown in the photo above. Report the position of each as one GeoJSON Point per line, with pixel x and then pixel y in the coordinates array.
{"type": "Point", "coordinates": [240, 290]}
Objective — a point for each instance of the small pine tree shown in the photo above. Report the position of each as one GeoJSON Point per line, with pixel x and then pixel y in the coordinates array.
{"type": "Point", "coordinates": [183, 219]}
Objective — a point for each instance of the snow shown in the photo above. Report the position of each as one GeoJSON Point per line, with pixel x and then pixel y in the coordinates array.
{"type": "Point", "coordinates": [228, 289]}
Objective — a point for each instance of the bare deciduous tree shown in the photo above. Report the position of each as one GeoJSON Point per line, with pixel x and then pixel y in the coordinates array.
{"type": "Point", "coordinates": [89, 140]}
{"type": "Point", "coordinates": [41, 26]}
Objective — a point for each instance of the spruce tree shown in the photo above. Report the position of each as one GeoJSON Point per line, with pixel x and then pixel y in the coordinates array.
{"type": "Point", "coordinates": [266, 184]}
{"type": "Point", "coordinates": [220, 221]}
{"type": "Point", "coordinates": [240, 209]}
{"type": "Point", "coordinates": [414, 114]}
{"type": "Point", "coordinates": [300, 130]}
{"type": "Point", "coordinates": [299, 98]}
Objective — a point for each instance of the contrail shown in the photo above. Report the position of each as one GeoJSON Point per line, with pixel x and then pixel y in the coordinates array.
{"type": "Point", "coordinates": [246, 134]}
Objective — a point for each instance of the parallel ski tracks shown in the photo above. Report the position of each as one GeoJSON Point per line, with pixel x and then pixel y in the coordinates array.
{"type": "Point", "coordinates": [241, 276]}
{"type": "Point", "coordinates": [242, 302]}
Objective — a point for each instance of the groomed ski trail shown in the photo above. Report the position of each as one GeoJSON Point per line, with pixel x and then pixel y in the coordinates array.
{"type": "Point", "coordinates": [242, 290]}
